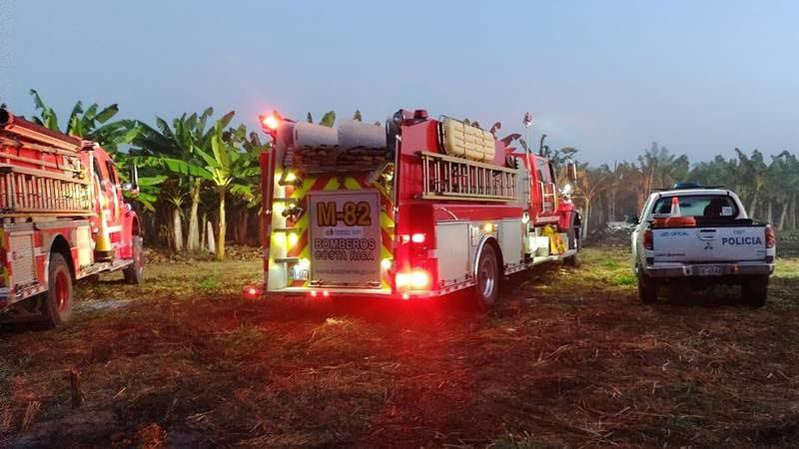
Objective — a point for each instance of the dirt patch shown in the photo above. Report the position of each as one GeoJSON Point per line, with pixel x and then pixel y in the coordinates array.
{"type": "Point", "coordinates": [570, 358]}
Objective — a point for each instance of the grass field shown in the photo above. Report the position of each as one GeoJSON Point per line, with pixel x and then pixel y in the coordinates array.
{"type": "Point", "coordinates": [570, 358]}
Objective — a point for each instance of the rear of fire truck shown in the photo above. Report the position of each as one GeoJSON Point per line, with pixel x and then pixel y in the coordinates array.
{"type": "Point", "coordinates": [417, 208]}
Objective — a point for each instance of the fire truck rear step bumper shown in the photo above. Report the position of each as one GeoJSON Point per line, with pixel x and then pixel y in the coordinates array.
{"type": "Point", "coordinates": [554, 257]}
{"type": "Point", "coordinates": [102, 267]}
{"type": "Point", "coordinates": [334, 291]}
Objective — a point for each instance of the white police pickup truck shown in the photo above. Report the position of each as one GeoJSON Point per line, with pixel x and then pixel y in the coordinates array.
{"type": "Point", "coordinates": [701, 235]}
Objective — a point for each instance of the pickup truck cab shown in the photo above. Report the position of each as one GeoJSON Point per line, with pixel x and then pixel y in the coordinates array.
{"type": "Point", "coordinates": [701, 235]}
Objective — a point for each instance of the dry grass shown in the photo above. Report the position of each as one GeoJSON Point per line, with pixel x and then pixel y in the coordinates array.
{"type": "Point", "coordinates": [570, 359]}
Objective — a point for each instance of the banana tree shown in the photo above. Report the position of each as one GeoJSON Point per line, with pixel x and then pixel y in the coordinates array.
{"type": "Point", "coordinates": [89, 123]}
{"type": "Point", "coordinates": [176, 150]}
{"type": "Point", "coordinates": [231, 168]}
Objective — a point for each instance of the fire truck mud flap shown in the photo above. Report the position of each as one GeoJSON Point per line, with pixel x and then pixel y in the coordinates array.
{"type": "Point", "coordinates": [345, 239]}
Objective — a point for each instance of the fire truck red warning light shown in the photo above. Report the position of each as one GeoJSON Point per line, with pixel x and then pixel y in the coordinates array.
{"type": "Point", "coordinates": [251, 292]}
{"type": "Point", "coordinates": [270, 122]}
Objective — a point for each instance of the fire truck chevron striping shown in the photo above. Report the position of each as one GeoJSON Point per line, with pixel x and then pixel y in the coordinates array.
{"type": "Point", "coordinates": [295, 236]}
{"type": "Point", "coordinates": [418, 208]}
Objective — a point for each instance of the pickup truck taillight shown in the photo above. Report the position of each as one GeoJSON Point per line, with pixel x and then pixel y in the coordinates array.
{"type": "Point", "coordinates": [771, 237]}
{"type": "Point", "coordinates": [648, 240]}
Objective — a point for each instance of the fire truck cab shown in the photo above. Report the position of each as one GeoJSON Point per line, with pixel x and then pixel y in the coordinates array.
{"type": "Point", "coordinates": [63, 218]}
{"type": "Point", "coordinates": [417, 208]}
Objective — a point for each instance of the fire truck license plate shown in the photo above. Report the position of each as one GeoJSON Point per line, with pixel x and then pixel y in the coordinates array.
{"type": "Point", "coordinates": [345, 237]}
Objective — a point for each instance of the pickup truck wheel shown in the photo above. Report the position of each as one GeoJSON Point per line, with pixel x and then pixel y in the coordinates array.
{"type": "Point", "coordinates": [647, 289]}
{"type": "Point", "coordinates": [134, 273]}
{"type": "Point", "coordinates": [755, 290]}
{"type": "Point", "coordinates": [58, 299]}
{"type": "Point", "coordinates": [487, 277]}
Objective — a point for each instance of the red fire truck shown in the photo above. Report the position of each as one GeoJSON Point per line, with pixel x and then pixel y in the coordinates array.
{"type": "Point", "coordinates": [63, 219]}
{"type": "Point", "coordinates": [416, 209]}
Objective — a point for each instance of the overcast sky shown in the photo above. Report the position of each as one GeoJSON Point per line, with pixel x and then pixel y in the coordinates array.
{"type": "Point", "coordinates": [605, 77]}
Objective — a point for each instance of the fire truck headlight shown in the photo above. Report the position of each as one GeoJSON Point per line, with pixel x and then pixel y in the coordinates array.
{"type": "Point", "coordinates": [304, 264]}
{"type": "Point", "coordinates": [386, 264]}
{"type": "Point", "coordinates": [417, 238]}
{"type": "Point", "coordinates": [293, 238]}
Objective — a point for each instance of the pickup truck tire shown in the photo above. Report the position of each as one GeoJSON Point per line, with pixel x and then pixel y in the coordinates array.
{"type": "Point", "coordinates": [755, 290]}
{"type": "Point", "coordinates": [134, 273]}
{"type": "Point", "coordinates": [58, 299]}
{"type": "Point", "coordinates": [647, 289]}
{"type": "Point", "coordinates": [487, 289]}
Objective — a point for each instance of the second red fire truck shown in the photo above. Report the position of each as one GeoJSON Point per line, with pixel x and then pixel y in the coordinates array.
{"type": "Point", "coordinates": [63, 219]}
{"type": "Point", "coordinates": [417, 208]}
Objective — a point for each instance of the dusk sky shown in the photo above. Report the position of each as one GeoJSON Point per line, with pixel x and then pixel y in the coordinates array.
{"type": "Point", "coordinates": [606, 77]}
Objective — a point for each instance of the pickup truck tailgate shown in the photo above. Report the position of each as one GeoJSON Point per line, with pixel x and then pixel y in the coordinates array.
{"type": "Point", "coordinates": [709, 244]}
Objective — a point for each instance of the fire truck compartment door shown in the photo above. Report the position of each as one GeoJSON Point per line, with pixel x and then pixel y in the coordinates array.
{"type": "Point", "coordinates": [345, 237]}
{"type": "Point", "coordinates": [22, 258]}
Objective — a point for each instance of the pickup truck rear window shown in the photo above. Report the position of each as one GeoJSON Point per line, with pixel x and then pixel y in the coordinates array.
{"type": "Point", "coordinates": [699, 206]}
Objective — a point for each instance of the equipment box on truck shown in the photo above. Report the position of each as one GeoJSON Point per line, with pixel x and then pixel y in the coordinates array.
{"type": "Point", "coordinates": [416, 209]}
{"type": "Point", "coordinates": [702, 236]}
{"type": "Point", "coordinates": [63, 219]}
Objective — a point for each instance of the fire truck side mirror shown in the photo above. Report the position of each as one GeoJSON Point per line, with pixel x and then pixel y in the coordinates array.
{"type": "Point", "coordinates": [571, 171]}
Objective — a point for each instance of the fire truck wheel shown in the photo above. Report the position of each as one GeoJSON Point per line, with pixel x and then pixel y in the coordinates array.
{"type": "Point", "coordinates": [573, 261]}
{"type": "Point", "coordinates": [488, 277]}
{"type": "Point", "coordinates": [134, 273]}
{"type": "Point", "coordinates": [58, 299]}
{"type": "Point", "coordinates": [573, 234]}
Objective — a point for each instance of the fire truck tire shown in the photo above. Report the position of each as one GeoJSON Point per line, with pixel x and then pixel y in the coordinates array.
{"type": "Point", "coordinates": [755, 291]}
{"type": "Point", "coordinates": [573, 234]}
{"type": "Point", "coordinates": [573, 260]}
{"type": "Point", "coordinates": [134, 273]}
{"type": "Point", "coordinates": [488, 277]}
{"type": "Point", "coordinates": [58, 299]}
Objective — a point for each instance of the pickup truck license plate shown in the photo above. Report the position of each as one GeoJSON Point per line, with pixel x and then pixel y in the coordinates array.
{"type": "Point", "coordinates": [708, 270]}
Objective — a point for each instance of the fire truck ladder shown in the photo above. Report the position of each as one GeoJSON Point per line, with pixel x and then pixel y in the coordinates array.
{"type": "Point", "coordinates": [454, 178]}
{"type": "Point", "coordinates": [549, 196]}
{"type": "Point", "coordinates": [28, 190]}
